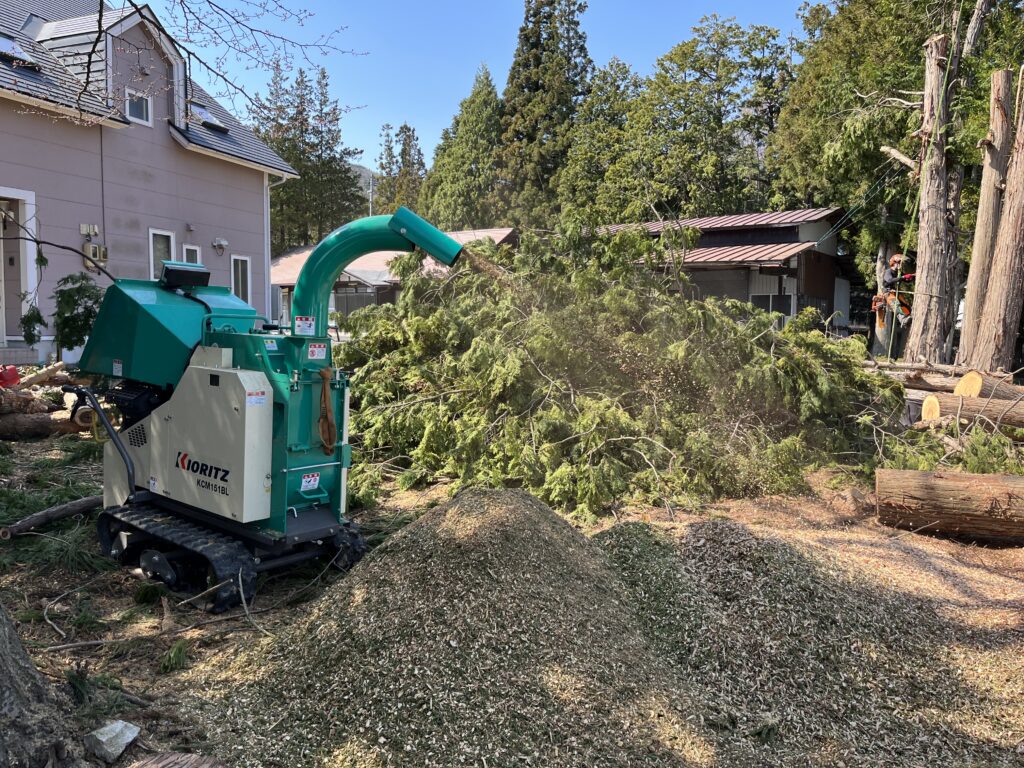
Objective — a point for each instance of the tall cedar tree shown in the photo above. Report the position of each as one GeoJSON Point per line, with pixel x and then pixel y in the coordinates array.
{"type": "Point", "coordinates": [400, 170]}
{"type": "Point", "coordinates": [303, 125]}
{"type": "Point", "coordinates": [598, 137]}
{"type": "Point", "coordinates": [458, 192]}
{"type": "Point", "coordinates": [546, 84]}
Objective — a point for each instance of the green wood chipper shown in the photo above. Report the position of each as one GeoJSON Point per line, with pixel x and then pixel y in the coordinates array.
{"type": "Point", "coordinates": [232, 453]}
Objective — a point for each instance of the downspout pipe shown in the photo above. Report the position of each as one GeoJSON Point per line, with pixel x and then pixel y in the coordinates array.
{"type": "Point", "coordinates": [402, 231]}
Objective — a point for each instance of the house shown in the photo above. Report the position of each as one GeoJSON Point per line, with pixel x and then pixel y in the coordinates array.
{"type": "Point", "coordinates": [368, 279]}
{"type": "Point", "coordinates": [781, 261]}
{"type": "Point", "coordinates": [106, 145]}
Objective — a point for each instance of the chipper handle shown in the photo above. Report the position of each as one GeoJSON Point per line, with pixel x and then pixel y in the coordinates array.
{"type": "Point", "coordinates": [88, 395]}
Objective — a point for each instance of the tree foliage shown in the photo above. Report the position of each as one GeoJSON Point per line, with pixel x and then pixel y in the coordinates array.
{"type": "Point", "coordinates": [583, 377]}
{"type": "Point", "coordinates": [302, 123]}
{"type": "Point", "coordinates": [459, 191]}
{"type": "Point", "coordinates": [690, 139]}
{"type": "Point", "coordinates": [547, 82]}
{"type": "Point", "coordinates": [400, 170]}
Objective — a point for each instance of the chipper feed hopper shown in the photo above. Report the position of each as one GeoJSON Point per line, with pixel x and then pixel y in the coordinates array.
{"type": "Point", "coordinates": [232, 453]}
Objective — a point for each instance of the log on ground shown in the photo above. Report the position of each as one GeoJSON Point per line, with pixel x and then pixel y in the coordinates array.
{"type": "Point", "coordinates": [1009, 413]}
{"type": "Point", "coordinates": [985, 508]}
{"type": "Point", "coordinates": [50, 515]}
{"type": "Point", "coordinates": [41, 376]}
{"type": "Point", "coordinates": [23, 402]}
{"type": "Point", "coordinates": [978, 384]}
{"type": "Point", "coordinates": [22, 426]}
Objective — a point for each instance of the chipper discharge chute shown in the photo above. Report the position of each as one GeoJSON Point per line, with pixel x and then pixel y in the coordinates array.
{"type": "Point", "coordinates": [232, 454]}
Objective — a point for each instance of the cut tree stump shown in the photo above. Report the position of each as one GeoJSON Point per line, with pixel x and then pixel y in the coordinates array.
{"type": "Point", "coordinates": [23, 402]}
{"type": "Point", "coordinates": [58, 512]}
{"type": "Point", "coordinates": [978, 384]}
{"type": "Point", "coordinates": [985, 508]}
{"type": "Point", "coordinates": [1007, 413]}
{"type": "Point", "coordinates": [21, 426]}
{"type": "Point", "coordinates": [34, 731]}
{"type": "Point", "coordinates": [84, 416]}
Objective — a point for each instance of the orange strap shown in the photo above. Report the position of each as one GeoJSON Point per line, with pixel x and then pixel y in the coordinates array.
{"type": "Point", "coordinates": [328, 428]}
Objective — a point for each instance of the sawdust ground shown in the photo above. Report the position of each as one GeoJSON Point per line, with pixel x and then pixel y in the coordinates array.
{"type": "Point", "coordinates": [978, 593]}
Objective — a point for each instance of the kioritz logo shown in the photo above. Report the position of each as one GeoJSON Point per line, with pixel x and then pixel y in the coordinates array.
{"type": "Point", "coordinates": [201, 468]}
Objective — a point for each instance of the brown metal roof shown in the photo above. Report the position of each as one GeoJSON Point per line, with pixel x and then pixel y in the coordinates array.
{"type": "Point", "coordinates": [373, 267]}
{"type": "Point", "coordinates": [738, 221]}
{"type": "Point", "coordinates": [763, 255]}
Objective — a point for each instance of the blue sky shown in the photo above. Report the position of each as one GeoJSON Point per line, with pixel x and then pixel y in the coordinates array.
{"type": "Point", "coordinates": [418, 59]}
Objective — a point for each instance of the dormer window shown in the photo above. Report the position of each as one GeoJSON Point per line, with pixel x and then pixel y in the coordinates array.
{"type": "Point", "coordinates": [206, 118]}
{"type": "Point", "coordinates": [138, 107]}
{"type": "Point", "coordinates": [11, 51]}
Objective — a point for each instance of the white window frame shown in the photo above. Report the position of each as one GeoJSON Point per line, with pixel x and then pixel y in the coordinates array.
{"type": "Point", "coordinates": [128, 94]}
{"type": "Point", "coordinates": [248, 268]}
{"type": "Point", "coordinates": [196, 248]}
{"type": "Point", "coordinates": [170, 252]}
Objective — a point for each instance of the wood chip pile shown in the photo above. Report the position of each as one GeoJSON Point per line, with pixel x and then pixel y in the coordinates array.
{"type": "Point", "coordinates": [491, 633]}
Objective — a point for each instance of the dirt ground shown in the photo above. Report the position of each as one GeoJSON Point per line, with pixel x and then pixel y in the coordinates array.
{"type": "Point", "coordinates": [122, 648]}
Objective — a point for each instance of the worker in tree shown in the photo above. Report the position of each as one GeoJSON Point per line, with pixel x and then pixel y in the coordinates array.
{"type": "Point", "coordinates": [892, 279]}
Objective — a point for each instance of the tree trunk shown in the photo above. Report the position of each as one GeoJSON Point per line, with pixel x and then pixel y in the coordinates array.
{"type": "Point", "coordinates": [978, 384]}
{"type": "Point", "coordinates": [33, 731]}
{"type": "Point", "coordinates": [1009, 413]}
{"type": "Point", "coordinates": [885, 366]}
{"type": "Point", "coordinates": [20, 426]}
{"type": "Point", "coordinates": [926, 382]}
{"type": "Point", "coordinates": [931, 288]}
{"type": "Point", "coordinates": [976, 507]}
{"type": "Point", "coordinates": [996, 154]}
{"type": "Point", "coordinates": [996, 334]}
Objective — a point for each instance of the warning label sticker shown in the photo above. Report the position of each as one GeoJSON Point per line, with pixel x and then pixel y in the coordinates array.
{"type": "Point", "coordinates": [152, 484]}
{"type": "Point", "coordinates": [270, 344]}
{"type": "Point", "coordinates": [305, 326]}
{"type": "Point", "coordinates": [317, 351]}
{"type": "Point", "coordinates": [257, 397]}
{"type": "Point", "coordinates": [118, 368]}
{"type": "Point", "coordinates": [310, 482]}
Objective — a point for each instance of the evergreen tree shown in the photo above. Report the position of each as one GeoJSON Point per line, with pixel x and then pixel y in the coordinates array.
{"type": "Point", "coordinates": [693, 138]}
{"type": "Point", "coordinates": [596, 141]}
{"type": "Point", "coordinates": [546, 84]}
{"type": "Point", "coordinates": [459, 189]}
{"type": "Point", "coordinates": [400, 170]}
{"type": "Point", "coordinates": [302, 123]}
{"type": "Point", "coordinates": [335, 194]}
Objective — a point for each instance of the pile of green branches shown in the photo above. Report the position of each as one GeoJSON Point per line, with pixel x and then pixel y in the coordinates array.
{"type": "Point", "coordinates": [575, 369]}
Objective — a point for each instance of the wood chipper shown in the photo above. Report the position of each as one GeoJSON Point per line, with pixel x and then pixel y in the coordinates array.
{"type": "Point", "coordinates": [232, 453]}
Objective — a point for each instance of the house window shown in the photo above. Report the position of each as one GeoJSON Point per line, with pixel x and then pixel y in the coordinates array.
{"type": "Point", "coordinates": [10, 50]}
{"type": "Point", "coordinates": [206, 117]}
{"type": "Point", "coordinates": [161, 248]}
{"type": "Point", "coordinates": [773, 302]}
{"type": "Point", "coordinates": [191, 254]}
{"type": "Point", "coordinates": [241, 278]}
{"type": "Point", "coordinates": [138, 107]}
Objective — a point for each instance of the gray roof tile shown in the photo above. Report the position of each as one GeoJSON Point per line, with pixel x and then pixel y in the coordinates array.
{"type": "Point", "coordinates": [54, 82]}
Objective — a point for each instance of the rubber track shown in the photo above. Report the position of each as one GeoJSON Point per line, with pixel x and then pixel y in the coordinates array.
{"type": "Point", "coordinates": [227, 557]}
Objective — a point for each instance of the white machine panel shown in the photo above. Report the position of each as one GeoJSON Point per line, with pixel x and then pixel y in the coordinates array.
{"type": "Point", "coordinates": [209, 446]}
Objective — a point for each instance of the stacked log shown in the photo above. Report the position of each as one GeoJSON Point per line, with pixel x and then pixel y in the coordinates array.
{"type": "Point", "coordinates": [1009, 413]}
{"type": "Point", "coordinates": [984, 508]}
{"type": "Point", "coordinates": [978, 384]}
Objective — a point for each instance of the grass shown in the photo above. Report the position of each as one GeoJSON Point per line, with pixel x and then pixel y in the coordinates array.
{"type": "Point", "coordinates": [34, 484]}
{"type": "Point", "coordinates": [175, 658]}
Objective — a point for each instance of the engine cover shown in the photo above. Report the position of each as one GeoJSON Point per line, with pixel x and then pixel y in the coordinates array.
{"type": "Point", "coordinates": [209, 446]}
